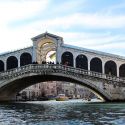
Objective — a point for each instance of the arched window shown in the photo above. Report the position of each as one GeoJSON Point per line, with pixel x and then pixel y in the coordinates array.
{"type": "Point", "coordinates": [96, 65]}
{"type": "Point", "coordinates": [12, 62]}
{"type": "Point", "coordinates": [1, 66]}
{"type": "Point", "coordinates": [67, 58]}
{"type": "Point", "coordinates": [82, 62]}
{"type": "Point", "coordinates": [122, 70]}
{"type": "Point", "coordinates": [25, 59]}
{"type": "Point", "coordinates": [111, 68]}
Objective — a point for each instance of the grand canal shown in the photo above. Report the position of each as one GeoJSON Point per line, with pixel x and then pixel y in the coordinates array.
{"type": "Point", "coordinates": [62, 113]}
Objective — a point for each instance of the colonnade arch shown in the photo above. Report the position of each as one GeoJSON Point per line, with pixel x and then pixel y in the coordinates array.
{"type": "Point", "coordinates": [111, 68]}
{"type": "Point", "coordinates": [25, 59]}
{"type": "Point", "coordinates": [96, 65]}
{"type": "Point", "coordinates": [82, 62]}
{"type": "Point", "coordinates": [67, 58]}
{"type": "Point", "coordinates": [1, 66]}
{"type": "Point", "coordinates": [12, 62]}
{"type": "Point", "coordinates": [122, 70]}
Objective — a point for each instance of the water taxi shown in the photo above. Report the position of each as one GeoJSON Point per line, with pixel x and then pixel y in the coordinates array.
{"type": "Point", "coordinates": [61, 97]}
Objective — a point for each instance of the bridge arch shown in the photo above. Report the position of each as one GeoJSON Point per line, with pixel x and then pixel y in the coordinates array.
{"type": "Point", "coordinates": [122, 70]}
{"type": "Point", "coordinates": [30, 77]}
{"type": "Point", "coordinates": [1, 66]}
{"type": "Point", "coordinates": [25, 59]}
{"type": "Point", "coordinates": [82, 62]}
{"type": "Point", "coordinates": [67, 58]}
{"type": "Point", "coordinates": [111, 68]}
{"type": "Point", "coordinates": [96, 65]}
{"type": "Point", "coordinates": [12, 62]}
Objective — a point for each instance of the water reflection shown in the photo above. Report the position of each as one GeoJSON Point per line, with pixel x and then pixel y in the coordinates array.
{"type": "Point", "coordinates": [62, 113]}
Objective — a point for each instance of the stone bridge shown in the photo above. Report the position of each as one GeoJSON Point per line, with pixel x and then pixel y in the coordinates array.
{"type": "Point", "coordinates": [107, 87]}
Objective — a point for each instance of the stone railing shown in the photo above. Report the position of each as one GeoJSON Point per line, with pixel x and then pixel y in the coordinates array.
{"type": "Point", "coordinates": [48, 68]}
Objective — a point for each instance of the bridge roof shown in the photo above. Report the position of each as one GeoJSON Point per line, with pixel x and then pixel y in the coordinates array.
{"type": "Point", "coordinates": [44, 35]}
{"type": "Point", "coordinates": [93, 51]}
{"type": "Point", "coordinates": [9, 52]}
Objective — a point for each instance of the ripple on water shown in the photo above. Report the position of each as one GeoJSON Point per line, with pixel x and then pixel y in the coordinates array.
{"type": "Point", "coordinates": [61, 113]}
{"type": "Point", "coordinates": [120, 121]}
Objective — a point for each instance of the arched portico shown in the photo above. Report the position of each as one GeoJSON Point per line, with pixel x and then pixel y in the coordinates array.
{"type": "Point", "coordinates": [45, 46]}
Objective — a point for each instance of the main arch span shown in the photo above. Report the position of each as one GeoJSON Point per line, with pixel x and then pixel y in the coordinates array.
{"type": "Point", "coordinates": [13, 81]}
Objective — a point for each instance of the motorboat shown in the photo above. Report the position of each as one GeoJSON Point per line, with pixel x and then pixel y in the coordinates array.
{"type": "Point", "coordinates": [61, 97]}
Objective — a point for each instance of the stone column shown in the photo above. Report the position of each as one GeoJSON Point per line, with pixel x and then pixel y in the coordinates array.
{"type": "Point", "coordinates": [74, 60]}
{"type": "Point", "coordinates": [5, 65]}
{"type": "Point", "coordinates": [103, 67]}
{"type": "Point", "coordinates": [34, 56]}
{"type": "Point", "coordinates": [117, 69]}
{"type": "Point", "coordinates": [57, 52]}
{"type": "Point", "coordinates": [89, 63]}
{"type": "Point", "coordinates": [18, 61]}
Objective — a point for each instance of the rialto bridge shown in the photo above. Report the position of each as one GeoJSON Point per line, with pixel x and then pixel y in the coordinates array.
{"type": "Point", "coordinates": [102, 73]}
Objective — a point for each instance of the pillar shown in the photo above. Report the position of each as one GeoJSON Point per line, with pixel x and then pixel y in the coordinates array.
{"type": "Point", "coordinates": [18, 61]}
{"type": "Point", "coordinates": [74, 60]}
{"type": "Point", "coordinates": [5, 65]}
{"type": "Point", "coordinates": [89, 63]}
{"type": "Point", "coordinates": [34, 57]}
{"type": "Point", "coordinates": [117, 70]}
{"type": "Point", "coordinates": [103, 67]}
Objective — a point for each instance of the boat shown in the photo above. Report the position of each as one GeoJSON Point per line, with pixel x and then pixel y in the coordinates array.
{"type": "Point", "coordinates": [61, 97]}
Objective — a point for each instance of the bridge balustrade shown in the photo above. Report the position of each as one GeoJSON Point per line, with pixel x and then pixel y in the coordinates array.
{"type": "Point", "coordinates": [57, 68]}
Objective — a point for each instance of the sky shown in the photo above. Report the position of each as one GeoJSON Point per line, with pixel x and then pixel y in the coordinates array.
{"type": "Point", "coordinates": [92, 24]}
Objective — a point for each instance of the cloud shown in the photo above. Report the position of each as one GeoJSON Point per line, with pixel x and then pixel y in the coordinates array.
{"type": "Point", "coordinates": [105, 42]}
{"type": "Point", "coordinates": [21, 9]}
{"type": "Point", "coordinates": [116, 8]}
{"type": "Point", "coordinates": [15, 37]}
{"type": "Point", "coordinates": [89, 21]}
{"type": "Point", "coordinates": [12, 38]}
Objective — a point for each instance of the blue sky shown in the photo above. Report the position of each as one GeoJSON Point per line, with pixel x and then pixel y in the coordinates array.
{"type": "Point", "coordinates": [93, 24]}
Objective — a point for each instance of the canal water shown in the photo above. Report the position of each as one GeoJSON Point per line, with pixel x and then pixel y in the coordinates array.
{"type": "Point", "coordinates": [62, 113]}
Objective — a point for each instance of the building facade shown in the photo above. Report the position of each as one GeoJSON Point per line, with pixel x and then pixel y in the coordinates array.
{"type": "Point", "coordinates": [54, 88]}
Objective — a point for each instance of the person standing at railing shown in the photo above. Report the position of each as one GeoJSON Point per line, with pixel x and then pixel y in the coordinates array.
{"type": "Point", "coordinates": [57, 62]}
